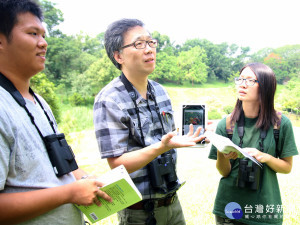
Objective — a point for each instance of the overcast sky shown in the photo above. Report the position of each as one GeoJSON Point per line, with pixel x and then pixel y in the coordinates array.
{"type": "Point", "coordinates": [255, 23]}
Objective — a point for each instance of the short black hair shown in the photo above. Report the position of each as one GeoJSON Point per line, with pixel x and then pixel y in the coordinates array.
{"type": "Point", "coordinates": [9, 11]}
{"type": "Point", "coordinates": [113, 39]}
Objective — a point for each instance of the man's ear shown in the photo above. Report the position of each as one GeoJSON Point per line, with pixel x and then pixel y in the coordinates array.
{"type": "Point", "coordinates": [118, 57]}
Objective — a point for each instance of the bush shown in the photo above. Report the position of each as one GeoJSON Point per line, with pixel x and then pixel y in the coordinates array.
{"type": "Point", "coordinates": [89, 100]}
{"type": "Point", "coordinates": [228, 109]}
{"type": "Point", "coordinates": [76, 118]}
{"type": "Point", "coordinates": [67, 124]}
{"type": "Point", "coordinates": [214, 115]}
{"type": "Point", "coordinates": [76, 99]}
{"type": "Point", "coordinates": [291, 105]}
{"type": "Point", "coordinates": [45, 88]}
{"type": "Point", "coordinates": [290, 97]}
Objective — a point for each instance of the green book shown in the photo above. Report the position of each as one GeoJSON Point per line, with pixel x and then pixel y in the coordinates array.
{"type": "Point", "coordinates": [122, 190]}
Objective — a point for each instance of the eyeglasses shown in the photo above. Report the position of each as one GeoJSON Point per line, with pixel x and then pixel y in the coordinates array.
{"type": "Point", "coordinates": [141, 44]}
{"type": "Point", "coordinates": [248, 81]}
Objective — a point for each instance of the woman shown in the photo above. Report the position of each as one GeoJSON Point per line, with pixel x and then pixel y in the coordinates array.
{"type": "Point", "coordinates": [248, 194]}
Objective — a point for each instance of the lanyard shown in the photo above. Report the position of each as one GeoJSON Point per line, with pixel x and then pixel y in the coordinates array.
{"type": "Point", "coordinates": [133, 96]}
{"type": "Point", "coordinates": [9, 87]}
{"type": "Point", "coordinates": [241, 131]}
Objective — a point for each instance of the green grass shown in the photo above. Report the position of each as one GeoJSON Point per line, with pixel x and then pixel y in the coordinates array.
{"type": "Point", "coordinates": [197, 195]}
{"type": "Point", "coordinates": [76, 118]}
{"type": "Point", "coordinates": [213, 97]}
{"type": "Point", "coordinates": [210, 84]}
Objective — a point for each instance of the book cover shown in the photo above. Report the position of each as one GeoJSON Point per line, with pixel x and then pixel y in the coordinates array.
{"type": "Point", "coordinates": [225, 145]}
{"type": "Point", "coordinates": [122, 190]}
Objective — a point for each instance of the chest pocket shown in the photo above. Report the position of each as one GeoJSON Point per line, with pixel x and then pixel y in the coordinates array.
{"type": "Point", "coordinates": [145, 125]}
{"type": "Point", "coordinates": [168, 120]}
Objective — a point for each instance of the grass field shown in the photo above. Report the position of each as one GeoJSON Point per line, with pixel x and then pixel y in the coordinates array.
{"type": "Point", "coordinates": [198, 194]}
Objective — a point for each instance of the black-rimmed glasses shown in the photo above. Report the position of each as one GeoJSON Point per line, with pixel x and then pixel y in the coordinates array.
{"type": "Point", "coordinates": [248, 81]}
{"type": "Point", "coordinates": [140, 44]}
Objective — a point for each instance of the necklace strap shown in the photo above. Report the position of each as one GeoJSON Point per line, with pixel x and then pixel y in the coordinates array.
{"type": "Point", "coordinates": [241, 132]}
{"type": "Point", "coordinates": [133, 96]}
{"type": "Point", "coordinates": [9, 87]}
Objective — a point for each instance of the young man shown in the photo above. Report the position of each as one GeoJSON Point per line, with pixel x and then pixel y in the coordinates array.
{"type": "Point", "coordinates": [30, 191]}
{"type": "Point", "coordinates": [134, 126]}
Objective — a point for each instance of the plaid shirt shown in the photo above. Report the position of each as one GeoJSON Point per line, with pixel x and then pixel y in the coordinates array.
{"type": "Point", "coordinates": [117, 130]}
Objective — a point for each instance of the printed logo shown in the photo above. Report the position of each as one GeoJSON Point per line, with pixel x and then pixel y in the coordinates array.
{"type": "Point", "coordinates": [233, 211]}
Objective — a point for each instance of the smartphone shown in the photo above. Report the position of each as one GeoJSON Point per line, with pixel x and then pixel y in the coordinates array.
{"type": "Point", "coordinates": [195, 114]}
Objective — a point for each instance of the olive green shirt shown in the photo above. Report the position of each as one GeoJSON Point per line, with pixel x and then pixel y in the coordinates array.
{"type": "Point", "coordinates": [261, 206]}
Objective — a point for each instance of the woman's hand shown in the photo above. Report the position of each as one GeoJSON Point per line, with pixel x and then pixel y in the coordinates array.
{"type": "Point", "coordinates": [282, 165]}
{"type": "Point", "coordinates": [230, 155]}
{"type": "Point", "coordinates": [260, 156]}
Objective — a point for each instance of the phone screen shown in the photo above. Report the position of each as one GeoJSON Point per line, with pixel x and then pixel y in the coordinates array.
{"type": "Point", "coordinates": [193, 114]}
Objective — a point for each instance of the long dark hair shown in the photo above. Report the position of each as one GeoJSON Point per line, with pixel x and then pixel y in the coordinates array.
{"type": "Point", "coordinates": [267, 87]}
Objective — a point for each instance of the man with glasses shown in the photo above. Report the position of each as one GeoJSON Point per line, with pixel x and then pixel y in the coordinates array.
{"type": "Point", "coordinates": [134, 126]}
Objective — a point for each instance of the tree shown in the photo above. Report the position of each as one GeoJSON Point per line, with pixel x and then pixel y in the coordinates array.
{"type": "Point", "coordinates": [166, 69]}
{"type": "Point", "coordinates": [291, 55]}
{"type": "Point", "coordinates": [45, 88]}
{"type": "Point", "coordinates": [52, 17]}
{"type": "Point", "coordinates": [100, 73]}
{"type": "Point", "coordinates": [60, 53]}
{"type": "Point", "coordinates": [278, 65]}
{"type": "Point", "coordinates": [90, 45]}
{"type": "Point", "coordinates": [216, 59]}
{"type": "Point", "coordinates": [82, 62]}
{"type": "Point", "coordinates": [163, 41]}
{"type": "Point", "coordinates": [192, 66]}
{"type": "Point", "coordinates": [100, 38]}
{"type": "Point", "coordinates": [239, 60]}
{"type": "Point", "coordinates": [284, 61]}
{"type": "Point", "coordinates": [222, 59]}
{"type": "Point", "coordinates": [290, 97]}
{"type": "Point", "coordinates": [260, 55]}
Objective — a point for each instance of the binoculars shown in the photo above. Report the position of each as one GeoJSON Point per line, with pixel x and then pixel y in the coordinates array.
{"type": "Point", "coordinates": [163, 175]}
{"type": "Point", "coordinates": [249, 175]}
{"type": "Point", "coordinates": [60, 154]}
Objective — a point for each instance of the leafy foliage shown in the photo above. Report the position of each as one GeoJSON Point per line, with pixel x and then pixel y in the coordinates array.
{"type": "Point", "coordinates": [214, 115]}
{"type": "Point", "coordinates": [167, 69]}
{"type": "Point", "coordinates": [53, 17]}
{"type": "Point", "coordinates": [192, 65]}
{"type": "Point", "coordinates": [228, 109]}
{"type": "Point", "coordinates": [290, 98]}
{"type": "Point", "coordinates": [45, 88]}
{"type": "Point", "coordinates": [95, 77]}
{"type": "Point", "coordinates": [284, 61]}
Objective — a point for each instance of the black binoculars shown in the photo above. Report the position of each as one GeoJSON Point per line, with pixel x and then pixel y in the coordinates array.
{"type": "Point", "coordinates": [249, 175]}
{"type": "Point", "coordinates": [163, 175]}
{"type": "Point", "coordinates": [60, 154]}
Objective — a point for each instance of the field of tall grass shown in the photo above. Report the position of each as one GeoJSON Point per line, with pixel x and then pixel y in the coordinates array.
{"type": "Point", "coordinates": [198, 194]}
